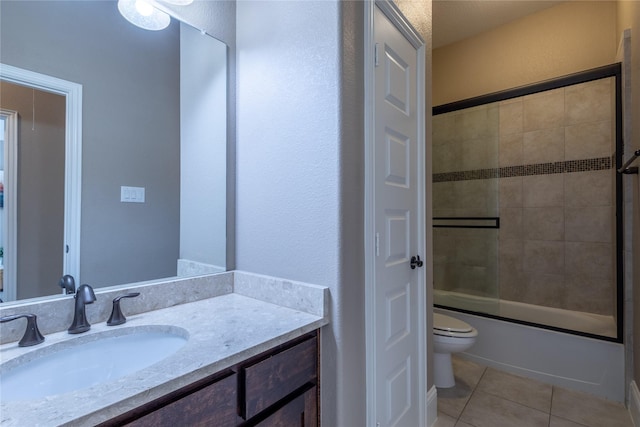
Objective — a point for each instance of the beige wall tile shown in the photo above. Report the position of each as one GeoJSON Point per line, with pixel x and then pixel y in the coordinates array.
{"type": "Point", "coordinates": [445, 277]}
{"type": "Point", "coordinates": [447, 157]}
{"type": "Point", "coordinates": [544, 110]}
{"type": "Point", "coordinates": [511, 252]}
{"type": "Point", "coordinates": [589, 224]}
{"type": "Point", "coordinates": [544, 289]}
{"type": "Point", "coordinates": [544, 257]}
{"type": "Point", "coordinates": [476, 280]}
{"type": "Point", "coordinates": [543, 146]}
{"type": "Point", "coordinates": [477, 197]}
{"type": "Point", "coordinates": [543, 190]}
{"type": "Point", "coordinates": [444, 212]}
{"type": "Point", "coordinates": [510, 150]}
{"type": "Point", "coordinates": [480, 251]}
{"type": "Point", "coordinates": [588, 140]}
{"type": "Point", "coordinates": [543, 223]}
{"type": "Point", "coordinates": [512, 285]}
{"type": "Point", "coordinates": [588, 188]}
{"type": "Point", "coordinates": [480, 153]}
{"type": "Point", "coordinates": [443, 195]}
{"type": "Point", "coordinates": [511, 192]}
{"type": "Point", "coordinates": [511, 223]}
{"type": "Point", "coordinates": [511, 117]}
{"type": "Point", "coordinates": [444, 247]}
{"type": "Point", "coordinates": [588, 102]}
{"type": "Point", "coordinates": [478, 122]}
{"type": "Point", "coordinates": [510, 277]}
{"type": "Point", "coordinates": [444, 128]}
{"type": "Point", "coordinates": [589, 259]}
{"type": "Point", "coordinates": [589, 294]}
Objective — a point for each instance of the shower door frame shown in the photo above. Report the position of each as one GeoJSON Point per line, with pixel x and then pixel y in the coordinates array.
{"type": "Point", "coordinates": [612, 70]}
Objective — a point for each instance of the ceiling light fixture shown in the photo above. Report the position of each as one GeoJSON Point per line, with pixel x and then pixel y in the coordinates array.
{"type": "Point", "coordinates": [179, 2]}
{"type": "Point", "coordinates": [144, 14]}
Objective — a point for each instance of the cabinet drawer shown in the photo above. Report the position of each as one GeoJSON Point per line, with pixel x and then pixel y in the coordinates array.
{"type": "Point", "coordinates": [213, 405]}
{"type": "Point", "coordinates": [269, 380]}
{"type": "Point", "coordinates": [302, 412]}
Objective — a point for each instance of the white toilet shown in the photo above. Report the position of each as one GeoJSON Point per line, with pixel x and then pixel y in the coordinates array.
{"type": "Point", "coordinates": [450, 335]}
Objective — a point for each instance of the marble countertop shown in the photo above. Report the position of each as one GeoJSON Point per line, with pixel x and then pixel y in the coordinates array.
{"type": "Point", "coordinates": [223, 331]}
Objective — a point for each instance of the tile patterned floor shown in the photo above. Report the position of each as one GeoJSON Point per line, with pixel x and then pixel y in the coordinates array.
{"type": "Point", "coordinates": [486, 397]}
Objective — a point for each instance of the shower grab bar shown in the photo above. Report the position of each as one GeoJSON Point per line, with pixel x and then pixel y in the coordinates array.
{"type": "Point", "coordinates": [626, 169]}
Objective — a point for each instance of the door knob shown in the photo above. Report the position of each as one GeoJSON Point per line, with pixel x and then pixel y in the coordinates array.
{"type": "Point", "coordinates": [416, 262]}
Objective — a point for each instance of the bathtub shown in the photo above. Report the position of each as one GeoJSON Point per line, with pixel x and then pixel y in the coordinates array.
{"type": "Point", "coordinates": [595, 324]}
{"type": "Point", "coordinates": [572, 361]}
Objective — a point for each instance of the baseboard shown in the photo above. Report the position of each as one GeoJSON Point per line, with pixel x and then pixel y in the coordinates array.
{"type": "Point", "coordinates": [634, 403]}
{"type": "Point", "coordinates": [432, 406]}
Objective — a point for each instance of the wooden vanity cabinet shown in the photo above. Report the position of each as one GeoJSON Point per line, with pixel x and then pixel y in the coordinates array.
{"type": "Point", "coordinates": [302, 411]}
{"type": "Point", "coordinates": [276, 388]}
{"type": "Point", "coordinates": [212, 405]}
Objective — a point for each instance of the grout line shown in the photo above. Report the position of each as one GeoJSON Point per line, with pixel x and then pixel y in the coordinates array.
{"type": "Point", "coordinates": [473, 390]}
{"type": "Point", "coordinates": [524, 380]}
{"type": "Point", "coordinates": [549, 412]}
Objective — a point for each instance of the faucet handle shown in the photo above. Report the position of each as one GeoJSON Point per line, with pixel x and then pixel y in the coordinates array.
{"type": "Point", "coordinates": [32, 335]}
{"type": "Point", "coordinates": [117, 318]}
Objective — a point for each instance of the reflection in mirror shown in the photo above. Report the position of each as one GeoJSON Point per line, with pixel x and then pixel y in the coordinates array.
{"type": "Point", "coordinates": [153, 118]}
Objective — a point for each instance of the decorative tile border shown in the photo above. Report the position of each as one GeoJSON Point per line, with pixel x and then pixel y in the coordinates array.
{"type": "Point", "coordinates": [585, 165]}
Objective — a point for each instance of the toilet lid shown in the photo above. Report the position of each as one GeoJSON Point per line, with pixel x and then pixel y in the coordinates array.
{"type": "Point", "coordinates": [449, 324]}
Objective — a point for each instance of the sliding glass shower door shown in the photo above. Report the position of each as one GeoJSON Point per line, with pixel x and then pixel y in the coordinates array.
{"type": "Point", "coordinates": [525, 196]}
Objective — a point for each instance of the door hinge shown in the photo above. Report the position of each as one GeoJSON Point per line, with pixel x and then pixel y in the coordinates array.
{"type": "Point", "coordinates": [376, 60]}
{"type": "Point", "coordinates": [377, 244]}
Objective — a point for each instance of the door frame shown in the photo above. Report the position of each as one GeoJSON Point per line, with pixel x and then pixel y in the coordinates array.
{"type": "Point", "coordinates": [10, 234]}
{"type": "Point", "coordinates": [72, 158]}
{"type": "Point", "coordinates": [395, 16]}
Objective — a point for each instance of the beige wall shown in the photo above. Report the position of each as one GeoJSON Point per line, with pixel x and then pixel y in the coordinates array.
{"type": "Point", "coordinates": [561, 40]}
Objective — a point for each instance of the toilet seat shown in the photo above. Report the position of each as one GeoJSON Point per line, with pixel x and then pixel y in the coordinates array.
{"type": "Point", "coordinates": [450, 327]}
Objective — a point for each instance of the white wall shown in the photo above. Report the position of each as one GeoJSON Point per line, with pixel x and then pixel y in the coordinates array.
{"type": "Point", "coordinates": [299, 170]}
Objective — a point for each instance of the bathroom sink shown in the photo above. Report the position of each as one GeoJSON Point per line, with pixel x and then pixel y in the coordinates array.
{"type": "Point", "coordinates": [86, 361]}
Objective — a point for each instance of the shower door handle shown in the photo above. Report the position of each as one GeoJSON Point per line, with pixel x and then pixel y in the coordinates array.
{"type": "Point", "coordinates": [416, 262]}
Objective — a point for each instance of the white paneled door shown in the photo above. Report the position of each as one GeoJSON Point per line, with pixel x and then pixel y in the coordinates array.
{"type": "Point", "coordinates": [398, 286]}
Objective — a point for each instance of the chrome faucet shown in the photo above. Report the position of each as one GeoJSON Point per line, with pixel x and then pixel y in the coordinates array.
{"type": "Point", "coordinates": [84, 295]}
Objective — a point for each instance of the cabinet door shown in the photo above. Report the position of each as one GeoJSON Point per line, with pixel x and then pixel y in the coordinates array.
{"type": "Point", "coordinates": [302, 412]}
{"type": "Point", "coordinates": [212, 405]}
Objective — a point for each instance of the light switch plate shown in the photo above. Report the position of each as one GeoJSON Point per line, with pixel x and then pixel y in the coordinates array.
{"type": "Point", "coordinates": [132, 194]}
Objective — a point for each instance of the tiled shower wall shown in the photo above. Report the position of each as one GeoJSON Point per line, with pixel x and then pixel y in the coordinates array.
{"type": "Point", "coordinates": [543, 164]}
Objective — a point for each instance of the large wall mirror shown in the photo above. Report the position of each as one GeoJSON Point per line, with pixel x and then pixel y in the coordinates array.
{"type": "Point", "coordinates": [152, 168]}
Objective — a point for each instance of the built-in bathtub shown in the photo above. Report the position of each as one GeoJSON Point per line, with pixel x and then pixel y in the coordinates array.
{"type": "Point", "coordinates": [587, 323]}
{"type": "Point", "coordinates": [576, 362]}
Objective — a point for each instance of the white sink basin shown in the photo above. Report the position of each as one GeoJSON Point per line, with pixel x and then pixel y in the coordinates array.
{"type": "Point", "coordinates": [87, 361]}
